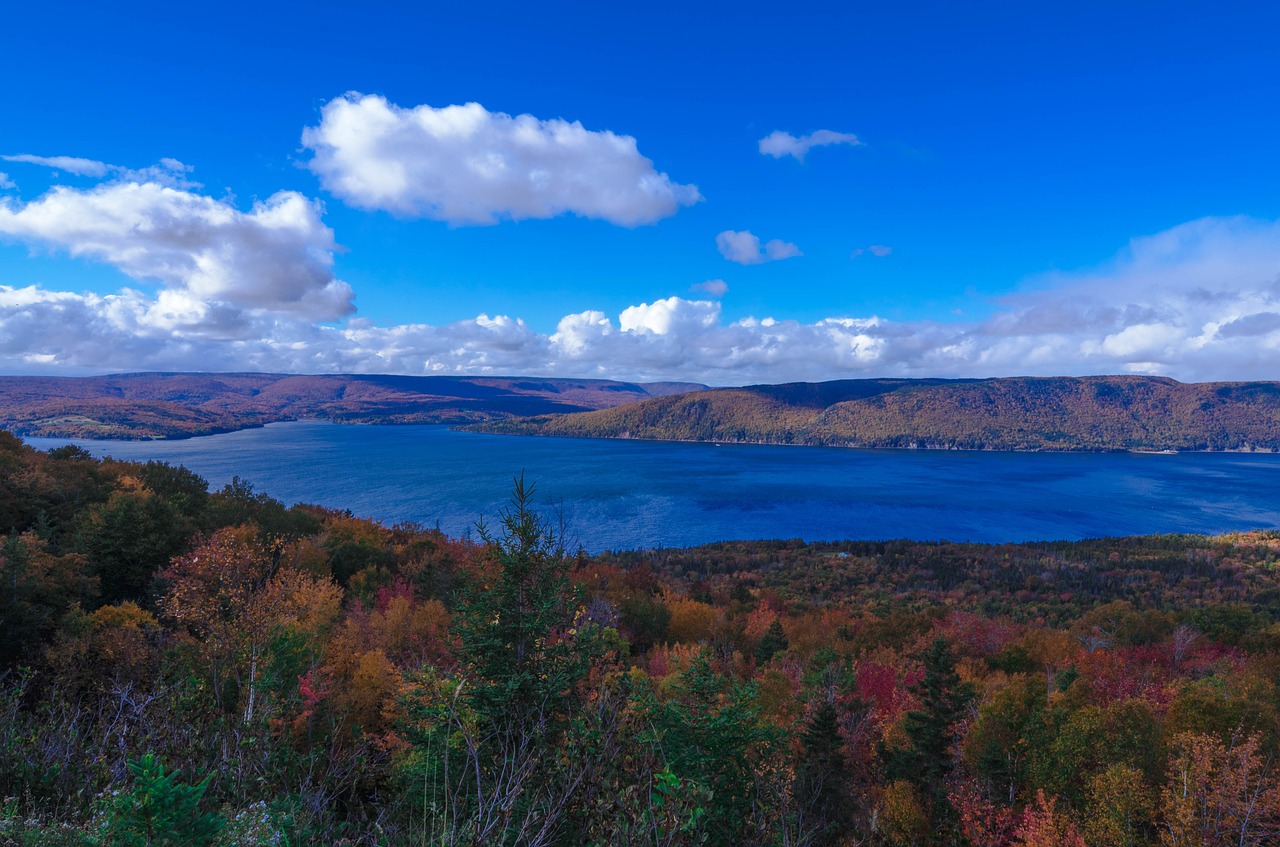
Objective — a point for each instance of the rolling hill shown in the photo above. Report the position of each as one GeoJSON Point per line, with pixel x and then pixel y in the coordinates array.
{"type": "Point", "coordinates": [178, 405]}
{"type": "Point", "coordinates": [1021, 413]}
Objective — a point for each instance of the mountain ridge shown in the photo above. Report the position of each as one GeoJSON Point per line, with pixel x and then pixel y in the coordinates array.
{"type": "Point", "coordinates": [1092, 413]}
{"type": "Point", "coordinates": [180, 405]}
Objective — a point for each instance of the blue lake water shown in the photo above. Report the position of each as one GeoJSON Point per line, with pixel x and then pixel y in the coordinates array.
{"type": "Point", "coordinates": [629, 494]}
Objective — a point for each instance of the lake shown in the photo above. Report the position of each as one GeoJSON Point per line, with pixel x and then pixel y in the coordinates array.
{"type": "Point", "coordinates": [630, 494]}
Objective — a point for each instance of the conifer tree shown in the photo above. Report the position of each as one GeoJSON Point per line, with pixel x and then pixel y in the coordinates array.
{"type": "Point", "coordinates": [772, 642]}
{"type": "Point", "coordinates": [160, 811]}
{"type": "Point", "coordinates": [932, 729]}
{"type": "Point", "coordinates": [823, 776]}
{"type": "Point", "coordinates": [500, 747]}
{"type": "Point", "coordinates": [514, 621]}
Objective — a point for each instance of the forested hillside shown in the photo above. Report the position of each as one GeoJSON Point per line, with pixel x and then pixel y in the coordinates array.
{"type": "Point", "coordinates": [1052, 413]}
{"type": "Point", "coordinates": [195, 667]}
{"type": "Point", "coordinates": [178, 405]}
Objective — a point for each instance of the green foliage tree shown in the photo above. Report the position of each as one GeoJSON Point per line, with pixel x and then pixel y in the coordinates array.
{"type": "Point", "coordinates": [128, 539]}
{"type": "Point", "coordinates": [16, 588]}
{"type": "Point", "coordinates": [515, 621]}
{"type": "Point", "coordinates": [158, 810]}
{"type": "Point", "coordinates": [712, 733]}
{"type": "Point", "coordinates": [504, 742]}
{"type": "Point", "coordinates": [772, 642]}
{"type": "Point", "coordinates": [930, 758]}
{"type": "Point", "coordinates": [823, 777]}
{"type": "Point", "coordinates": [1002, 738]}
{"type": "Point", "coordinates": [185, 491]}
{"type": "Point", "coordinates": [237, 503]}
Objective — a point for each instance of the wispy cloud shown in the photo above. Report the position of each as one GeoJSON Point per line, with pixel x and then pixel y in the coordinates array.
{"type": "Point", "coordinates": [5, 182]}
{"type": "Point", "coordinates": [778, 144]}
{"type": "Point", "coordinates": [877, 250]}
{"type": "Point", "coordinates": [168, 172]}
{"type": "Point", "coordinates": [746, 249]}
{"type": "Point", "coordinates": [467, 165]}
{"type": "Point", "coordinates": [70, 164]}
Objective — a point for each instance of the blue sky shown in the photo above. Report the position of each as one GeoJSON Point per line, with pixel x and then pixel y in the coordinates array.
{"type": "Point", "coordinates": [1013, 188]}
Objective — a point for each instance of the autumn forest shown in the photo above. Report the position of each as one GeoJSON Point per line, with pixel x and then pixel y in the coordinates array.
{"type": "Point", "coordinates": [186, 666]}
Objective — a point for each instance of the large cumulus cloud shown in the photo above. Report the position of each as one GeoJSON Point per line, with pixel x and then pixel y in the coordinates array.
{"type": "Point", "coordinates": [212, 260]}
{"type": "Point", "coordinates": [467, 165]}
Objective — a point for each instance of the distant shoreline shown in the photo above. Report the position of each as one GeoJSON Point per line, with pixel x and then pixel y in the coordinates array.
{"type": "Point", "coordinates": [480, 430]}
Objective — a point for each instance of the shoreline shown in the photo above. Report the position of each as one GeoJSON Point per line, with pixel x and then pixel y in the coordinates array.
{"type": "Point", "coordinates": [469, 427]}
{"type": "Point", "coordinates": [915, 448]}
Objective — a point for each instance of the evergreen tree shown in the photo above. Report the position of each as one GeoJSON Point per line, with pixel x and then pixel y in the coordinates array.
{"type": "Point", "coordinates": [160, 811]}
{"type": "Point", "coordinates": [772, 642]}
{"type": "Point", "coordinates": [17, 618]}
{"type": "Point", "coordinates": [712, 733]}
{"type": "Point", "coordinates": [823, 776]}
{"type": "Point", "coordinates": [520, 659]}
{"type": "Point", "coordinates": [930, 759]}
{"type": "Point", "coordinates": [503, 749]}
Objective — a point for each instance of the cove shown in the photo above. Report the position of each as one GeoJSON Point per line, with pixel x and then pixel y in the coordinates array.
{"type": "Point", "coordinates": [635, 494]}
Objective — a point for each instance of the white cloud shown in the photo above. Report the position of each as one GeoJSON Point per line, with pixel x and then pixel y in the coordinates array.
{"type": "Point", "coordinates": [778, 144]}
{"type": "Point", "coordinates": [70, 164]}
{"type": "Point", "coordinates": [467, 165]}
{"type": "Point", "coordinates": [745, 248]}
{"type": "Point", "coordinates": [877, 250]}
{"type": "Point", "coordinates": [211, 258]}
{"type": "Point", "coordinates": [1197, 302]}
{"type": "Point", "coordinates": [5, 182]}
{"type": "Point", "coordinates": [713, 287]}
{"type": "Point", "coordinates": [169, 172]}
{"type": "Point", "coordinates": [670, 316]}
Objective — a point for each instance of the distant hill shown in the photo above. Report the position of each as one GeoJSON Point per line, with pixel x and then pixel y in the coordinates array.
{"type": "Point", "coordinates": [1022, 413]}
{"type": "Point", "coordinates": [178, 405]}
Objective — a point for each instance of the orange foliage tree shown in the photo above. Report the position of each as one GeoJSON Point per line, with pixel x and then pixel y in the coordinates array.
{"type": "Point", "coordinates": [232, 601]}
{"type": "Point", "coordinates": [1220, 794]}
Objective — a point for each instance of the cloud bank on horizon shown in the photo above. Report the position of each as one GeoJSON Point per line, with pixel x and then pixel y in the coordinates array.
{"type": "Point", "coordinates": [220, 287]}
{"type": "Point", "coordinates": [255, 291]}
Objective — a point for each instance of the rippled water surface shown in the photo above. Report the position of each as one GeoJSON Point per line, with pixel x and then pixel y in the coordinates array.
{"type": "Point", "coordinates": [624, 494]}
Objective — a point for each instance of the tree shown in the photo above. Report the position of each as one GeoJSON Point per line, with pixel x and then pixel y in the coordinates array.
{"type": "Point", "coordinates": [129, 538]}
{"type": "Point", "coordinates": [231, 598]}
{"type": "Point", "coordinates": [1220, 794]}
{"type": "Point", "coordinates": [36, 590]}
{"type": "Point", "coordinates": [710, 731]}
{"type": "Point", "coordinates": [516, 618]}
{"type": "Point", "coordinates": [1120, 808]}
{"type": "Point", "coordinates": [1003, 735]}
{"type": "Point", "coordinates": [774, 641]}
{"type": "Point", "coordinates": [1044, 826]}
{"type": "Point", "coordinates": [500, 750]}
{"type": "Point", "coordinates": [187, 492]}
{"type": "Point", "coordinates": [823, 776]}
{"type": "Point", "coordinates": [160, 811]}
{"type": "Point", "coordinates": [930, 759]}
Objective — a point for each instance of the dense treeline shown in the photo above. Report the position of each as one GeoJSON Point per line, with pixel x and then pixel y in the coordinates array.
{"type": "Point", "coordinates": [212, 668]}
{"type": "Point", "coordinates": [1052, 413]}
